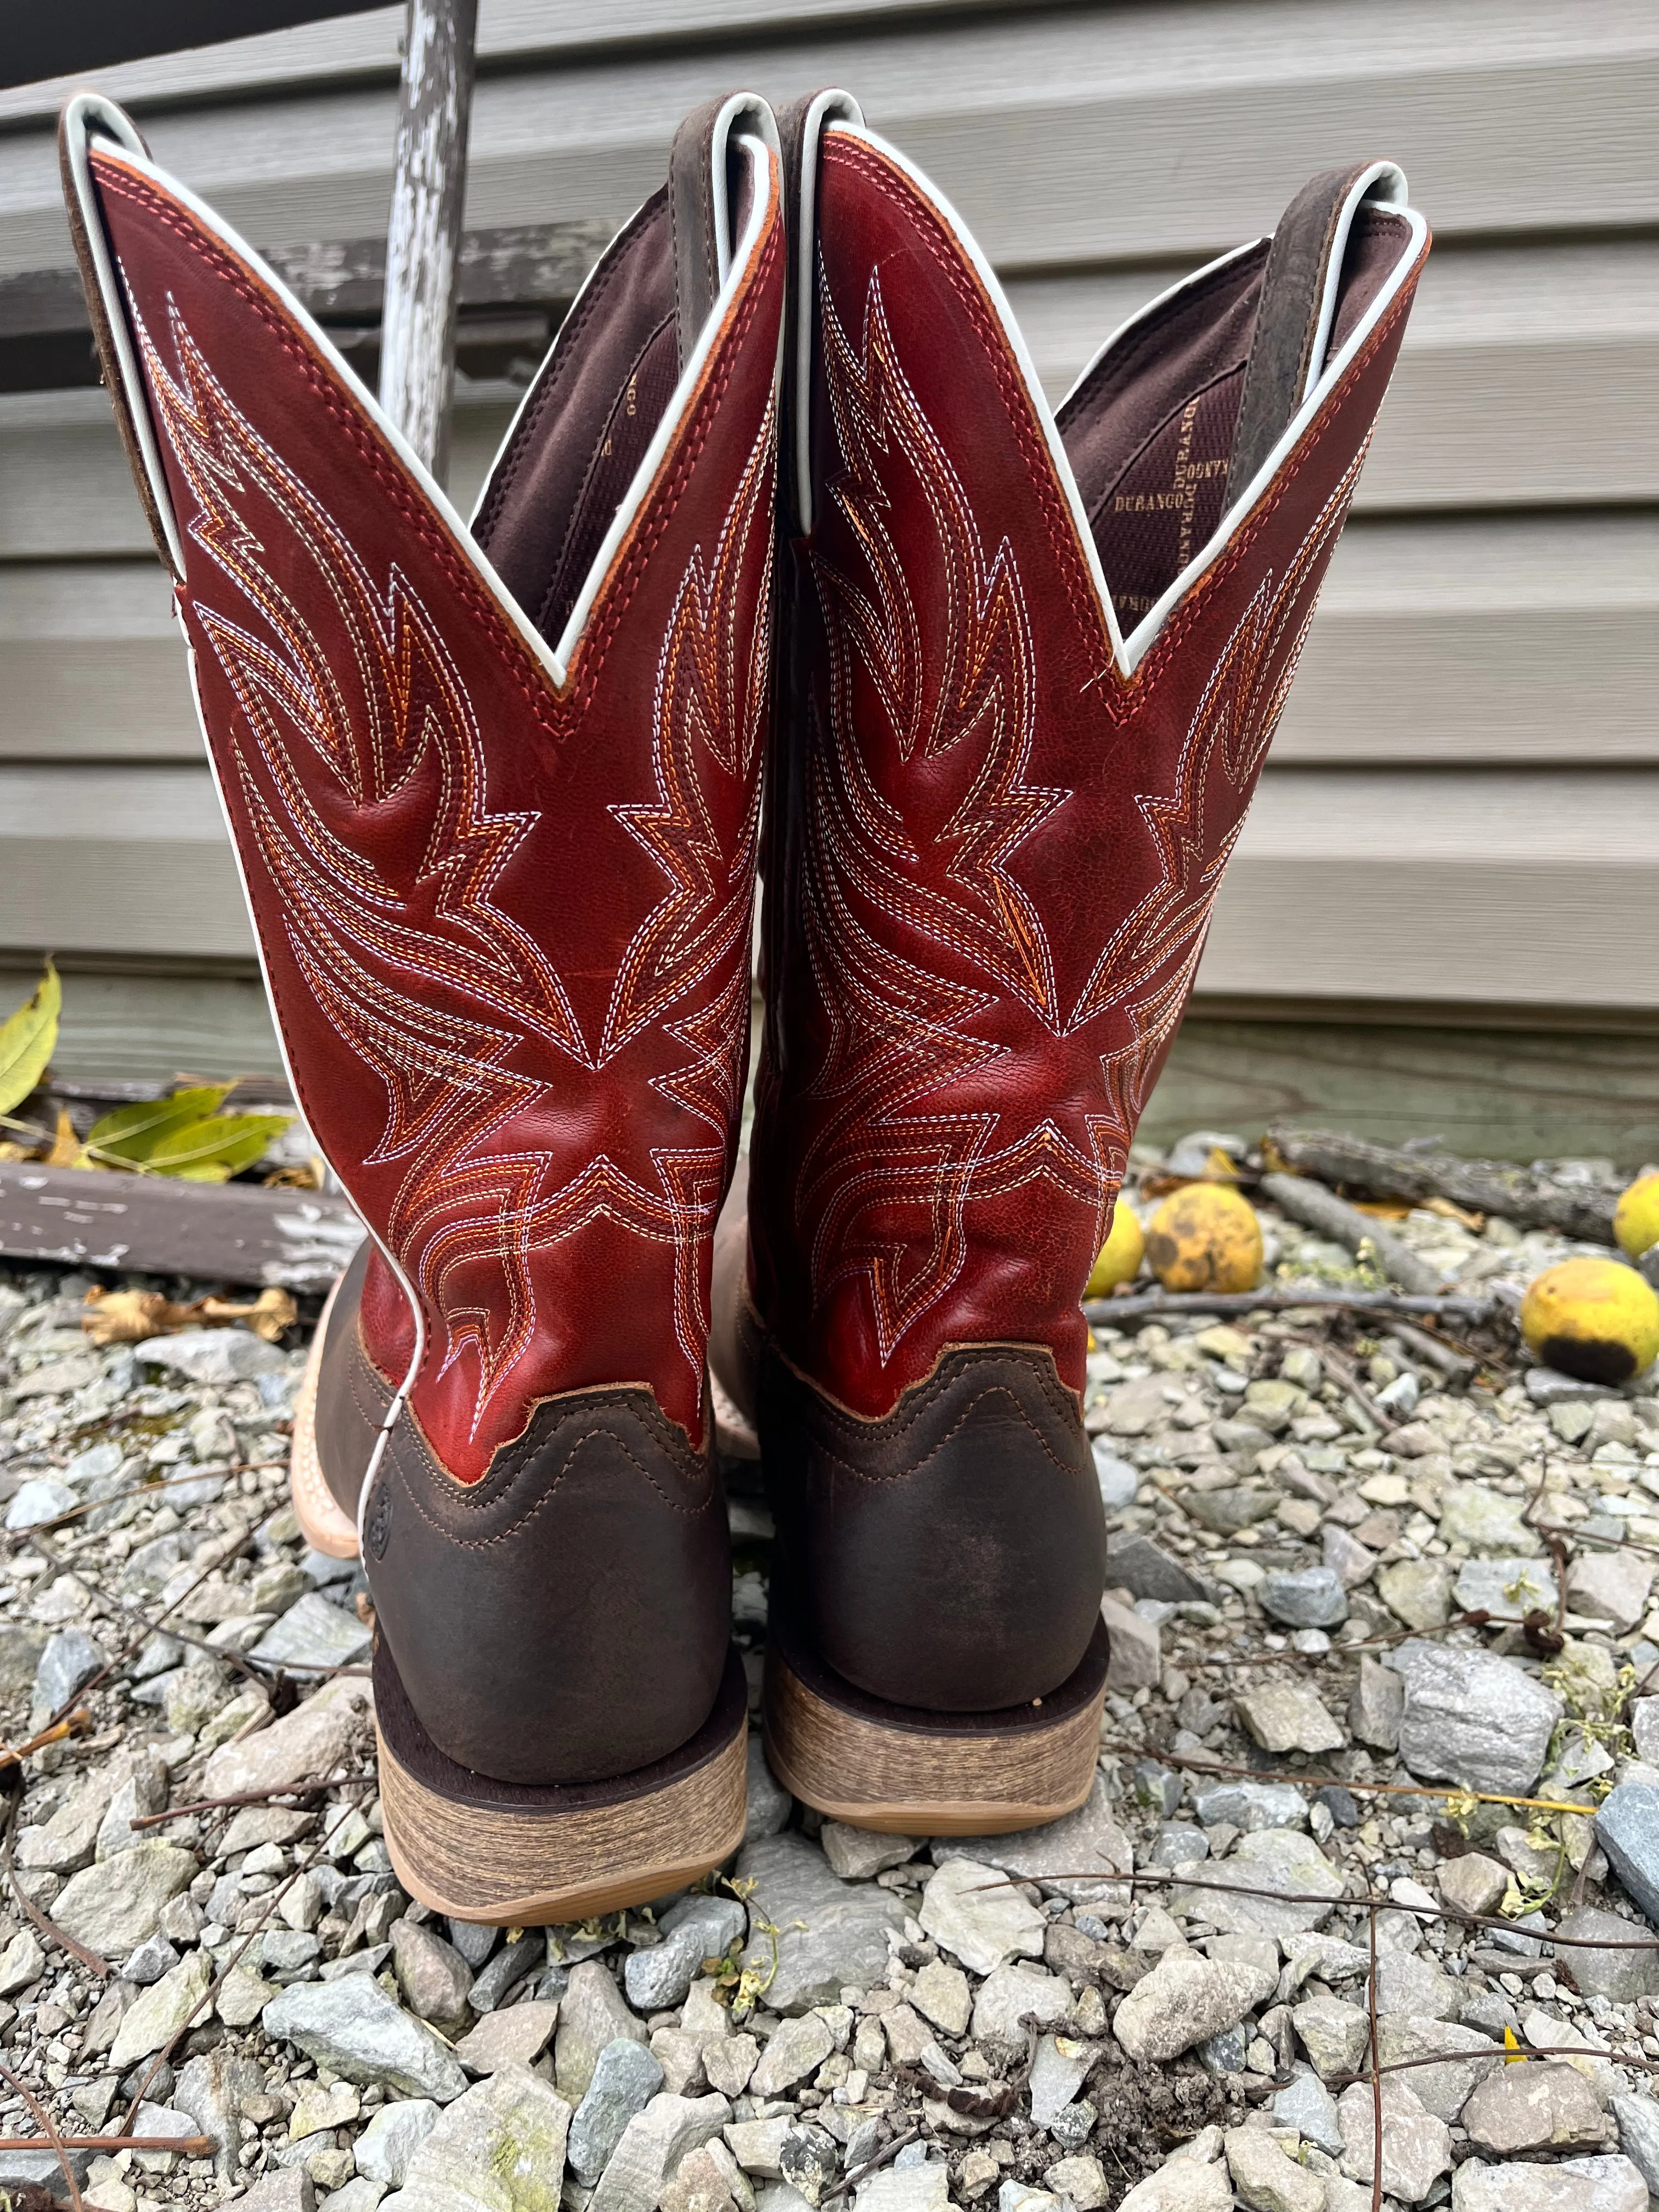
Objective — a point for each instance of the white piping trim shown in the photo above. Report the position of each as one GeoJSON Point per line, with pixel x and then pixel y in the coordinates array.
{"type": "Point", "coordinates": [555, 662]}
{"type": "Point", "coordinates": [1128, 653]}
{"type": "Point", "coordinates": [86, 111]}
{"type": "Point", "coordinates": [400, 1397]}
{"type": "Point", "coordinates": [825, 105]}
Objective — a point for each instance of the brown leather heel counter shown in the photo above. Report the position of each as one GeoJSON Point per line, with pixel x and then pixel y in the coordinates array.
{"type": "Point", "coordinates": [351, 1395]}
{"type": "Point", "coordinates": [529, 1612]}
{"type": "Point", "coordinates": [952, 1556]}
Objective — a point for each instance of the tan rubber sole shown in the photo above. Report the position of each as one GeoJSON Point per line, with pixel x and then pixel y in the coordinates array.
{"type": "Point", "coordinates": [524, 1857]}
{"type": "Point", "coordinates": [905, 1772]}
{"type": "Point", "coordinates": [322, 1523]}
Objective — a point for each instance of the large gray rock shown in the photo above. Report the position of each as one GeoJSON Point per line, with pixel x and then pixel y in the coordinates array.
{"type": "Point", "coordinates": [843, 1937]}
{"type": "Point", "coordinates": [1638, 2135]}
{"type": "Point", "coordinates": [1627, 1829]}
{"type": "Point", "coordinates": [652, 2144]}
{"type": "Point", "coordinates": [795, 2049]}
{"type": "Point", "coordinates": [593, 2014]}
{"type": "Point", "coordinates": [211, 2090]}
{"type": "Point", "coordinates": [1546, 2106]}
{"type": "Point", "coordinates": [1267, 2179]}
{"type": "Point", "coordinates": [216, 1356]}
{"type": "Point", "coordinates": [318, 1737]}
{"type": "Point", "coordinates": [353, 2027]}
{"type": "Point", "coordinates": [1411, 1982]}
{"type": "Point", "coordinates": [1486, 1521]}
{"type": "Point", "coordinates": [433, 1976]}
{"type": "Point", "coordinates": [1306, 2105]}
{"type": "Point", "coordinates": [1577, 2185]}
{"type": "Point", "coordinates": [1249, 1805]}
{"type": "Point", "coordinates": [1136, 1565]}
{"type": "Point", "coordinates": [1474, 1718]}
{"type": "Point", "coordinates": [1184, 2000]}
{"type": "Point", "coordinates": [315, 1633]}
{"type": "Point", "coordinates": [696, 1929]}
{"type": "Point", "coordinates": [1611, 1586]}
{"type": "Point", "coordinates": [972, 1912]}
{"type": "Point", "coordinates": [625, 2080]}
{"type": "Point", "coordinates": [1305, 1597]}
{"type": "Point", "coordinates": [1442, 2089]}
{"type": "Point", "coordinates": [69, 1659]}
{"type": "Point", "coordinates": [1416, 2147]}
{"type": "Point", "coordinates": [394, 2135]}
{"type": "Point", "coordinates": [515, 2035]}
{"type": "Point", "coordinates": [769, 1802]}
{"type": "Point", "coordinates": [1013, 1994]}
{"type": "Point", "coordinates": [1283, 1860]}
{"type": "Point", "coordinates": [500, 2148]}
{"type": "Point", "coordinates": [1054, 1856]}
{"type": "Point", "coordinates": [1622, 1975]}
{"type": "Point", "coordinates": [115, 1905]}
{"type": "Point", "coordinates": [1377, 1705]}
{"type": "Point", "coordinates": [1288, 1716]}
{"type": "Point", "coordinates": [1508, 1589]}
{"type": "Point", "coordinates": [1417, 1591]}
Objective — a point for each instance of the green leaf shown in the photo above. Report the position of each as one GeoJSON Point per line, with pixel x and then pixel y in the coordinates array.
{"type": "Point", "coordinates": [217, 1145]}
{"type": "Point", "coordinates": [26, 1041]}
{"type": "Point", "coordinates": [132, 1133]}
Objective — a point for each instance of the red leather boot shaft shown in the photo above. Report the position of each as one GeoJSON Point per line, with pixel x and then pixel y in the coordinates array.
{"type": "Point", "coordinates": [503, 904]}
{"type": "Point", "coordinates": [998, 837]}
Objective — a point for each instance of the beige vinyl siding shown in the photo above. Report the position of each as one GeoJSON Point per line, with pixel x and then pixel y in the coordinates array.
{"type": "Point", "coordinates": [1461, 817]}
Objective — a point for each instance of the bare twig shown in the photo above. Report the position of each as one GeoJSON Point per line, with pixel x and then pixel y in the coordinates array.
{"type": "Point", "coordinates": [187, 2146]}
{"type": "Point", "coordinates": [78, 1722]}
{"type": "Point", "coordinates": [54, 2139]}
{"type": "Point", "coordinates": [1488, 1186]}
{"type": "Point", "coordinates": [1321, 1210]}
{"type": "Point", "coordinates": [1334, 1782]}
{"type": "Point", "coordinates": [310, 1788]}
{"type": "Point", "coordinates": [1146, 1305]}
{"type": "Point", "coordinates": [1377, 2077]}
{"type": "Point", "coordinates": [44, 1925]}
{"type": "Point", "coordinates": [888, 2152]}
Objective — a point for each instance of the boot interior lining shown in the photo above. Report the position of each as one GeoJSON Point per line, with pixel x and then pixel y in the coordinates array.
{"type": "Point", "coordinates": [1150, 434]}
{"type": "Point", "coordinates": [584, 430]}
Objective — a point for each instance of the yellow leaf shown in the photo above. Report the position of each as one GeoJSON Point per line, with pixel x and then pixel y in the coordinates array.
{"type": "Point", "coordinates": [26, 1041]}
{"type": "Point", "coordinates": [67, 1150]}
{"type": "Point", "coordinates": [1513, 2054]}
{"type": "Point", "coordinates": [216, 1146]}
{"type": "Point", "coordinates": [132, 1133]}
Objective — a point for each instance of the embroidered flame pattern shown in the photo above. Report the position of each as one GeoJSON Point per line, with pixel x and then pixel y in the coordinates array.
{"type": "Point", "coordinates": [362, 772]}
{"type": "Point", "coordinates": [903, 1132]}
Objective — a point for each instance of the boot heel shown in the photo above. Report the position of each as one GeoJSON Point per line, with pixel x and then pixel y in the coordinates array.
{"type": "Point", "coordinates": [324, 1523]}
{"type": "Point", "coordinates": [913, 1772]}
{"type": "Point", "coordinates": [518, 1855]}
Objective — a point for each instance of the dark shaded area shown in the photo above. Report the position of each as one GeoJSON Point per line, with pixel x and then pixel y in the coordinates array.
{"type": "Point", "coordinates": [43, 42]}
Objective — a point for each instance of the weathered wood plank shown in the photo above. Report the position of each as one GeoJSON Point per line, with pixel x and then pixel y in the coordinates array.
{"type": "Point", "coordinates": [122, 1022]}
{"type": "Point", "coordinates": [1520, 1094]}
{"type": "Point", "coordinates": [423, 238]}
{"type": "Point", "coordinates": [1064, 134]}
{"type": "Point", "coordinates": [228, 1232]}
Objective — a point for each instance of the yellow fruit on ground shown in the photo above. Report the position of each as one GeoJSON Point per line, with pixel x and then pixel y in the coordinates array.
{"type": "Point", "coordinates": [1121, 1254]}
{"type": "Point", "coordinates": [1596, 1319]}
{"type": "Point", "coordinates": [1636, 1216]}
{"type": "Point", "coordinates": [1207, 1237]}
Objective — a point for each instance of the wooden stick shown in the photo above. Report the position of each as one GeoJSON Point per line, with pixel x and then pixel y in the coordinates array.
{"type": "Point", "coordinates": [1317, 1208]}
{"type": "Point", "coordinates": [187, 2146]}
{"type": "Point", "coordinates": [423, 242]}
{"type": "Point", "coordinates": [1487, 1186]}
{"type": "Point", "coordinates": [1376, 2075]}
{"type": "Point", "coordinates": [1146, 1305]}
{"type": "Point", "coordinates": [53, 2141]}
{"type": "Point", "coordinates": [303, 1788]}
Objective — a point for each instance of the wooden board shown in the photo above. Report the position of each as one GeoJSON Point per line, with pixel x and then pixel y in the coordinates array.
{"type": "Point", "coordinates": [1064, 134]}
{"type": "Point", "coordinates": [123, 1022]}
{"type": "Point", "coordinates": [1536, 1093]}
{"type": "Point", "coordinates": [228, 1232]}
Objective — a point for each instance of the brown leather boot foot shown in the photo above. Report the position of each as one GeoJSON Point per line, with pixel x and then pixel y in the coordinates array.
{"type": "Point", "coordinates": [520, 1855]}
{"type": "Point", "coordinates": [911, 1771]}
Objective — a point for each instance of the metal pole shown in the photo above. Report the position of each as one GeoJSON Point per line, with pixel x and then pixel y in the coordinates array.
{"type": "Point", "coordinates": [423, 242]}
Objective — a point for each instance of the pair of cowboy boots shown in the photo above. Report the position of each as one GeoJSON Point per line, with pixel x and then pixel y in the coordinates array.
{"type": "Point", "coordinates": [785, 563]}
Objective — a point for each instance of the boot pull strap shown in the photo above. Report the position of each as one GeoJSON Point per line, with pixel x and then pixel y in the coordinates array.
{"type": "Point", "coordinates": [801, 126]}
{"type": "Point", "coordinates": [706, 203]}
{"type": "Point", "coordinates": [1294, 320]}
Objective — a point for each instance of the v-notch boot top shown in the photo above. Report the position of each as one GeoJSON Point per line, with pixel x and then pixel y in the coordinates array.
{"type": "Point", "coordinates": [1028, 670]}
{"type": "Point", "coordinates": [495, 797]}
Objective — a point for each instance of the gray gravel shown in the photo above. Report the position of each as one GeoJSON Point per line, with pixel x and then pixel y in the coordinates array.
{"type": "Point", "coordinates": [1285, 1570]}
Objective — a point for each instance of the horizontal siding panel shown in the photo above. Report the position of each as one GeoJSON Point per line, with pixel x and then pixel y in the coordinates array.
{"type": "Point", "coordinates": [123, 861]}
{"type": "Point", "coordinates": [1524, 889]}
{"type": "Point", "coordinates": [92, 665]}
{"type": "Point", "coordinates": [1070, 135]}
